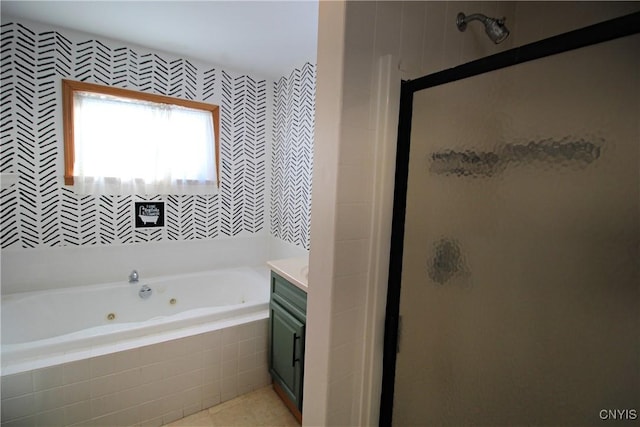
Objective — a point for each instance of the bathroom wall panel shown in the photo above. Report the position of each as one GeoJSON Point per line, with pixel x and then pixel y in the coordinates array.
{"type": "Point", "coordinates": [39, 211]}
{"type": "Point", "coordinates": [292, 155]}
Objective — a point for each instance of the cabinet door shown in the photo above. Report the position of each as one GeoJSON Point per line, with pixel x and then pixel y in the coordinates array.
{"type": "Point", "coordinates": [286, 353]}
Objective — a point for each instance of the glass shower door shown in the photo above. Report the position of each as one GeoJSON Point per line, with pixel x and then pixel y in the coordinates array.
{"type": "Point", "coordinates": [520, 292]}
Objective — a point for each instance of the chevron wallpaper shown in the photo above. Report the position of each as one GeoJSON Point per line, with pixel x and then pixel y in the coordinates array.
{"type": "Point", "coordinates": [292, 156]}
{"type": "Point", "coordinates": [40, 211]}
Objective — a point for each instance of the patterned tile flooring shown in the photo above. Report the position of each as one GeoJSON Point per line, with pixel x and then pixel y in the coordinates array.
{"type": "Point", "coordinates": [262, 407]}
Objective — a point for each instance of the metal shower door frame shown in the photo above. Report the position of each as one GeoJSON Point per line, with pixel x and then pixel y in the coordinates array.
{"type": "Point", "coordinates": [587, 36]}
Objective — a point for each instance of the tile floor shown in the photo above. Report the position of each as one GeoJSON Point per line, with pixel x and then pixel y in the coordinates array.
{"type": "Point", "coordinates": [262, 407]}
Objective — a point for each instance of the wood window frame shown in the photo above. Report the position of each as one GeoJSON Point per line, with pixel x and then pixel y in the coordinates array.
{"type": "Point", "coordinates": [69, 87]}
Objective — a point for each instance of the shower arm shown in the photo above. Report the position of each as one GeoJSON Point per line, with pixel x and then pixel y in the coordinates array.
{"type": "Point", "coordinates": [462, 20]}
{"type": "Point", "coordinates": [494, 27]}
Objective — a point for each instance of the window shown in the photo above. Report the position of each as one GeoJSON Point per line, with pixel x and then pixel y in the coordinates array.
{"type": "Point", "coordinates": [119, 141]}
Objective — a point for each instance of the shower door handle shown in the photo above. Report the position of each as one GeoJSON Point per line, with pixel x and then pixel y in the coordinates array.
{"type": "Point", "coordinates": [294, 359]}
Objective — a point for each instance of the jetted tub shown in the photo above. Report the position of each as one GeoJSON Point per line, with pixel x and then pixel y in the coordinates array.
{"type": "Point", "coordinates": [45, 328]}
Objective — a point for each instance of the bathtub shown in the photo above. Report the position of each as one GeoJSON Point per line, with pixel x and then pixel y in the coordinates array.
{"type": "Point", "coordinates": [46, 328]}
{"type": "Point", "coordinates": [102, 355]}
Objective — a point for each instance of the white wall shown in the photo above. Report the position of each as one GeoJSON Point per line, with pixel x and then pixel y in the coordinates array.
{"type": "Point", "coordinates": [323, 211]}
{"type": "Point", "coordinates": [352, 38]}
{"type": "Point", "coordinates": [52, 237]}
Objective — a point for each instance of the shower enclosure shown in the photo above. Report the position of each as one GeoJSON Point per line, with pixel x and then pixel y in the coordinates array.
{"type": "Point", "coordinates": [514, 292]}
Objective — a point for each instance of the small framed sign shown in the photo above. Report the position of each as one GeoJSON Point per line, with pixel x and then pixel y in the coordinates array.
{"type": "Point", "coordinates": [149, 214]}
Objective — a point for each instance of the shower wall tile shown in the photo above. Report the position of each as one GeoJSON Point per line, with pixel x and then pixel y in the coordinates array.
{"type": "Point", "coordinates": [527, 30]}
{"type": "Point", "coordinates": [353, 220]}
{"type": "Point", "coordinates": [508, 9]}
{"type": "Point", "coordinates": [444, 46]}
{"type": "Point", "coordinates": [330, 84]}
{"type": "Point", "coordinates": [433, 42]}
{"type": "Point", "coordinates": [358, 75]}
{"type": "Point", "coordinates": [340, 400]}
{"type": "Point", "coordinates": [355, 171]}
{"type": "Point", "coordinates": [491, 8]}
{"type": "Point", "coordinates": [351, 257]}
{"type": "Point", "coordinates": [556, 18]}
{"type": "Point", "coordinates": [341, 360]}
{"type": "Point", "coordinates": [361, 33]}
{"type": "Point", "coordinates": [356, 149]}
{"type": "Point", "coordinates": [342, 335]}
{"type": "Point", "coordinates": [453, 40]}
{"type": "Point", "coordinates": [357, 186]}
{"type": "Point", "coordinates": [412, 37]}
{"type": "Point", "coordinates": [535, 23]}
{"type": "Point", "coordinates": [349, 292]}
{"type": "Point", "coordinates": [388, 25]}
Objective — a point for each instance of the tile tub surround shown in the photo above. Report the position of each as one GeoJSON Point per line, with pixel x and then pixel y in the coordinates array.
{"type": "Point", "coordinates": [147, 386]}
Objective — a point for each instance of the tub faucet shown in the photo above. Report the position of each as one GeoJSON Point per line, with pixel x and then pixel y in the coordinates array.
{"type": "Point", "coordinates": [134, 277]}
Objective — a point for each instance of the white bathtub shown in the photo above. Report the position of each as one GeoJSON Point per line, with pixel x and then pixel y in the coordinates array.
{"type": "Point", "coordinates": [45, 328]}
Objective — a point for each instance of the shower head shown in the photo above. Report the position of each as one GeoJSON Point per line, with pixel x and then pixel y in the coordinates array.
{"type": "Point", "coordinates": [494, 28]}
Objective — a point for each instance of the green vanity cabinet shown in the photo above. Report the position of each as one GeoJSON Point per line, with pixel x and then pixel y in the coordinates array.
{"type": "Point", "coordinates": [287, 320]}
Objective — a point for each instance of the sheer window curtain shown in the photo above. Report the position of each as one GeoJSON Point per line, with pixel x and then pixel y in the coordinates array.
{"type": "Point", "coordinates": [136, 147]}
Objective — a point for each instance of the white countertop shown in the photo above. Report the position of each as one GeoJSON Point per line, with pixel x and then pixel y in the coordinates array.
{"type": "Point", "coordinates": [295, 270]}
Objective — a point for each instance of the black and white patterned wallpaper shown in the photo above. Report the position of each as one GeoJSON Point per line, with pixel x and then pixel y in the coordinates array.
{"type": "Point", "coordinates": [292, 155]}
{"type": "Point", "coordinates": [40, 211]}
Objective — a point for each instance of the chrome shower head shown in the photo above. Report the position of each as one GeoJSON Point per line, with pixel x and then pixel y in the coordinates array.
{"type": "Point", "coordinates": [495, 28]}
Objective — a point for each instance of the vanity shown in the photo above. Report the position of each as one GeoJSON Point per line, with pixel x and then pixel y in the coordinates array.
{"type": "Point", "coordinates": [287, 326]}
